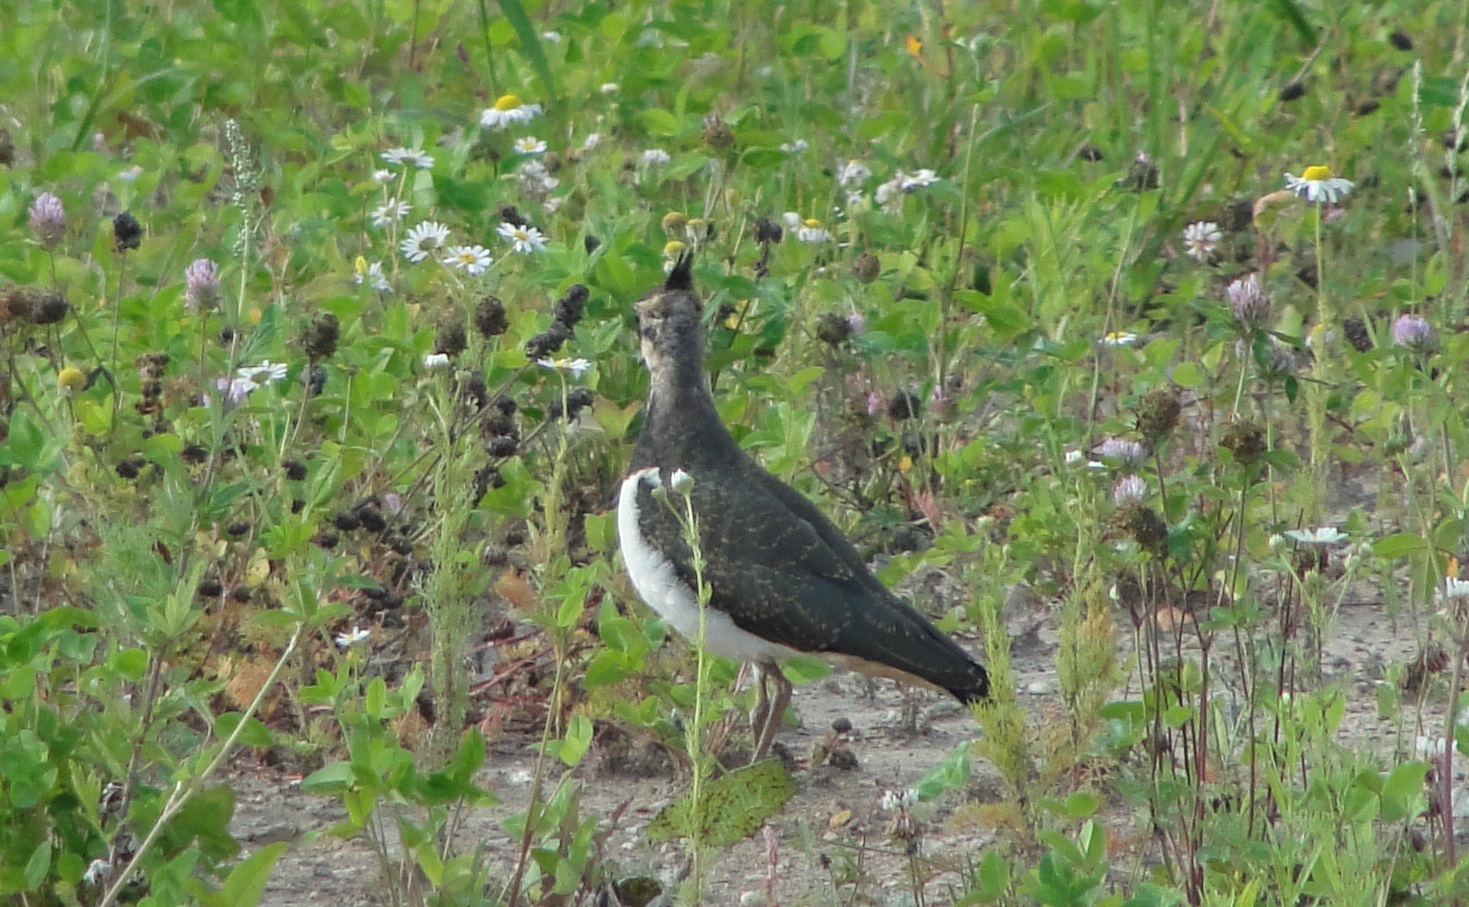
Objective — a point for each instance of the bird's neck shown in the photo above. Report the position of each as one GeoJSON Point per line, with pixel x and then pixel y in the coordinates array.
{"type": "Point", "coordinates": [682, 427]}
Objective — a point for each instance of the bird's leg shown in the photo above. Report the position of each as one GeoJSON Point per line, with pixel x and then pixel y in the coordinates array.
{"type": "Point", "coordinates": [770, 713]}
{"type": "Point", "coordinates": [758, 712]}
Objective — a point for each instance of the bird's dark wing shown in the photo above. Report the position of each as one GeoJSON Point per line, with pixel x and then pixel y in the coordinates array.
{"type": "Point", "coordinates": [784, 572]}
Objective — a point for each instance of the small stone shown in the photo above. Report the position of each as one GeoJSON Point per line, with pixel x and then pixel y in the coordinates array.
{"type": "Point", "coordinates": [1037, 688]}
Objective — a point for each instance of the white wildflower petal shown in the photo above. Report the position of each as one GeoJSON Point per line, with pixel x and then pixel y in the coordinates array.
{"type": "Point", "coordinates": [1323, 536]}
{"type": "Point", "coordinates": [390, 211]}
{"type": "Point", "coordinates": [424, 240]}
{"type": "Point", "coordinates": [1200, 239]}
{"type": "Point", "coordinates": [656, 157]}
{"type": "Point", "coordinates": [474, 260]}
{"type": "Point", "coordinates": [524, 240]}
{"type": "Point", "coordinates": [1119, 338]}
{"type": "Point", "coordinates": [529, 144]}
{"type": "Point", "coordinates": [436, 360]}
{"type": "Point", "coordinates": [352, 637]}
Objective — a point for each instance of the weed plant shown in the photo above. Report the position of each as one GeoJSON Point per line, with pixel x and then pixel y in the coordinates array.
{"type": "Point", "coordinates": [1142, 321]}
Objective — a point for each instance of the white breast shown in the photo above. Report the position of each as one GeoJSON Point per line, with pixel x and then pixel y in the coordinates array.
{"type": "Point", "coordinates": [658, 584]}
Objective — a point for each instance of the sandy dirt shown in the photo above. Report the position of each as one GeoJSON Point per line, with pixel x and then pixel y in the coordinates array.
{"type": "Point", "coordinates": [835, 841]}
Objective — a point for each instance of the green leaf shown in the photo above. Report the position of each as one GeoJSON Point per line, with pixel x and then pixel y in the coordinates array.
{"type": "Point", "coordinates": [1400, 545]}
{"type": "Point", "coordinates": [248, 879]}
{"type": "Point", "coordinates": [38, 866]}
{"type": "Point", "coordinates": [530, 43]}
{"type": "Point", "coordinates": [1291, 13]}
{"type": "Point", "coordinates": [329, 780]}
{"type": "Point", "coordinates": [951, 774]}
{"type": "Point", "coordinates": [658, 121]}
{"type": "Point", "coordinates": [734, 806]}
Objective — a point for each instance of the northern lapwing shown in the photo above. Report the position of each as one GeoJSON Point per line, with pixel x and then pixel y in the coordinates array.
{"type": "Point", "coordinates": [783, 579]}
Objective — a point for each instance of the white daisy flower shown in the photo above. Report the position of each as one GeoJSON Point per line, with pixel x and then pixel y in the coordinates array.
{"type": "Point", "coordinates": [609, 88]}
{"type": "Point", "coordinates": [893, 800]}
{"type": "Point", "coordinates": [681, 482]}
{"type": "Point", "coordinates": [811, 231]}
{"type": "Point", "coordinates": [1316, 184]}
{"type": "Point", "coordinates": [919, 180]}
{"type": "Point", "coordinates": [382, 176]}
{"type": "Point", "coordinates": [424, 240]}
{"type": "Point", "coordinates": [551, 37]}
{"type": "Point", "coordinates": [248, 378]}
{"type": "Point", "coordinates": [508, 110]}
{"type": "Point", "coordinates": [856, 198]}
{"type": "Point", "coordinates": [593, 139]}
{"type": "Point", "coordinates": [372, 274]}
{"type": "Point", "coordinates": [1323, 536]}
{"type": "Point", "coordinates": [408, 157]}
{"type": "Point", "coordinates": [529, 144]}
{"type": "Point", "coordinates": [525, 240]}
{"type": "Point", "coordinates": [352, 637]}
{"type": "Point", "coordinates": [1119, 338]}
{"type": "Point", "coordinates": [795, 147]}
{"type": "Point", "coordinates": [577, 367]}
{"type": "Point", "coordinates": [436, 360]}
{"type": "Point", "coordinates": [390, 211]}
{"type": "Point", "coordinates": [1200, 239]}
{"type": "Point", "coordinates": [473, 259]}
{"type": "Point", "coordinates": [656, 157]}
{"type": "Point", "coordinates": [853, 173]}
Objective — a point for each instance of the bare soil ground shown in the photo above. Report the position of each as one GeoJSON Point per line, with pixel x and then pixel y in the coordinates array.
{"type": "Point", "coordinates": [834, 843]}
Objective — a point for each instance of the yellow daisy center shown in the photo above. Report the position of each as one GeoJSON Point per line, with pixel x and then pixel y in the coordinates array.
{"type": "Point", "coordinates": [672, 248]}
{"type": "Point", "coordinates": [71, 378]}
{"type": "Point", "coordinates": [508, 102]}
{"type": "Point", "coordinates": [1316, 173]}
{"type": "Point", "coordinates": [813, 223]}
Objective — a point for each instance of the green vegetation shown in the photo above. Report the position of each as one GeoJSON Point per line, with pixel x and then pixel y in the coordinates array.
{"type": "Point", "coordinates": [319, 374]}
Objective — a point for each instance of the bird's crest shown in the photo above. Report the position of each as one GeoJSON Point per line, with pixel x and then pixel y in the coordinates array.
{"type": "Point", "coordinates": [682, 275]}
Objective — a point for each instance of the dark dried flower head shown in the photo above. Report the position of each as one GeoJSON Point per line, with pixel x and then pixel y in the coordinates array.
{"type": "Point", "coordinates": [547, 342]}
{"type": "Point", "coordinates": [48, 219]}
{"type": "Point", "coordinates": [1142, 173]}
{"type": "Point", "coordinates": [7, 148]}
{"type": "Point", "coordinates": [1090, 153]}
{"type": "Point", "coordinates": [489, 317]}
{"type": "Point", "coordinates": [866, 268]}
{"type": "Point", "coordinates": [1145, 526]}
{"type": "Point", "coordinates": [1414, 334]}
{"type": "Point", "coordinates": [1157, 415]}
{"type": "Point", "coordinates": [577, 399]}
{"type": "Point", "coordinates": [127, 233]}
{"type": "Point", "coordinates": [315, 379]}
{"type": "Point", "coordinates": [572, 306]}
{"type": "Point", "coordinates": [201, 284]}
{"type": "Point", "coordinates": [511, 215]}
{"type": "Point", "coordinates": [1400, 40]}
{"type": "Point", "coordinates": [591, 243]}
{"type": "Point", "coordinates": [1250, 305]}
{"type": "Point", "coordinates": [50, 308]}
{"type": "Point", "coordinates": [1292, 91]}
{"type": "Point", "coordinates": [1357, 334]}
{"type": "Point", "coordinates": [502, 446]}
{"type": "Point", "coordinates": [487, 478]}
{"type": "Point", "coordinates": [450, 339]}
{"type": "Point", "coordinates": [371, 517]}
{"type": "Point", "coordinates": [295, 470]}
{"type": "Point", "coordinates": [17, 304]}
{"type": "Point", "coordinates": [1245, 441]}
{"type": "Point", "coordinates": [194, 454]}
{"type": "Point", "coordinates": [904, 405]}
{"type": "Point", "coordinates": [833, 329]}
{"type": "Point", "coordinates": [768, 231]}
{"type": "Point", "coordinates": [717, 133]}
{"type": "Point", "coordinates": [320, 338]}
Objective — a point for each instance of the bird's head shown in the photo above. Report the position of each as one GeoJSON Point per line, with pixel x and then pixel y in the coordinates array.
{"type": "Point", "coordinates": [669, 324]}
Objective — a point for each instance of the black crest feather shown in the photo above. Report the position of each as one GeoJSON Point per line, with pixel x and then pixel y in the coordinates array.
{"type": "Point", "coordinates": [682, 275]}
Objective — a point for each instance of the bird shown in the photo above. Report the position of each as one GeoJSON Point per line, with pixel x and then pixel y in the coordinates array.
{"type": "Point", "coordinates": [783, 581]}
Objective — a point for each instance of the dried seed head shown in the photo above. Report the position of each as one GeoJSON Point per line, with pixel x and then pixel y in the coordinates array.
{"type": "Point", "coordinates": [1145, 526]}
{"type": "Point", "coordinates": [1157, 415]}
{"type": "Point", "coordinates": [833, 329]}
{"type": "Point", "coordinates": [1245, 441]}
{"type": "Point", "coordinates": [127, 233]}
{"type": "Point", "coordinates": [449, 339]}
{"type": "Point", "coordinates": [904, 405]}
{"type": "Point", "coordinates": [548, 341]}
{"type": "Point", "coordinates": [866, 268]}
{"type": "Point", "coordinates": [717, 133]}
{"type": "Point", "coordinates": [1357, 334]}
{"type": "Point", "coordinates": [572, 306]}
{"type": "Point", "coordinates": [320, 338]}
{"type": "Point", "coordinates": [489, 317]}
{"type": "Point", "coordinates": [768, 231]}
